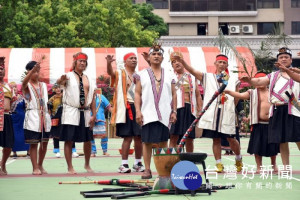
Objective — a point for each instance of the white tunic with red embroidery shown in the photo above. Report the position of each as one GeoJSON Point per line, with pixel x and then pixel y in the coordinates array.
{"type": "Point", "coordinates": [37, 117]}
{"type": "Point", "coordinates": [227, 115]}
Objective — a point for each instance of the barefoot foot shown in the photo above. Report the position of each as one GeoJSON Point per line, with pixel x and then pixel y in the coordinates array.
{"type": "Point", "coordinates": [88, 169]}
{"type": "Point", "coordinates": [3, 172]}
{"type": "Point", "coordinates": [43, 171]}
{"type": "Point", "coordinates": [71, 171]}
{"type": "Point", "coordinates": [36, 172]}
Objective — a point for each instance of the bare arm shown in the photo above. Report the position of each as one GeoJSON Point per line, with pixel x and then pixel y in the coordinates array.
{"type": "Point", "coordinates": [137, 102]}
{"type": "Point", "coordinates": [110, 71]}
{"type": "Point", "coordinates": [295, 69]}
{"type": "Point", "coordinates": [294, 73]}
{"type": "Point", "coordinates": [244, 95]}
{"type": "Point", "coordinates": [93, 109]}
{"type": "Point", "coordinates": [173, 116]}
{"type": "Point", "coordinates": [295, 76]}
{"type": "Point", "coordinates": [146, 57]}
{"type": "Point", "coordinates": [196, 73]}
{"type": "Point", "coordinates": [62, 80]}
{"type": "Point", "coordinates": [25, 89]}
{"type": "Point", "coordinates": [199, 100]}
{"type": "Point", "coordinates": [262, 81]}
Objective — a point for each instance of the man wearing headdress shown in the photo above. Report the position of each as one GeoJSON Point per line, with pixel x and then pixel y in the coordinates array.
{"type": "Point", "coordinates": [219, 119]}
{"type": "Point", "coordinates": [155, 104]}
{"type": "Point", "coordinates": [123, 112]}
{"type": "Point", "coordinates": [78, 103]}
{"type": "Point", "coordinates": [189, 104]}
{"type": "Point", "coordinates": [293, 72]}
{"type": "Point", "coordinates": [284, 123]}
{"type": "Point", "coordinates": [6, 126]}
{"type": "Point", "coordinates": [37, 122]}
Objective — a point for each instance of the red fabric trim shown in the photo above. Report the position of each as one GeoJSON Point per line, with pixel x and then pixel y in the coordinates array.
{"type": "Point", "coordinates": [128, 55]}
{"type": "Point", "coordinates": [260, 75]}
{"type": "Point", "coordinates": [80, 57]}
{"type": "Point", "coordinates": [129, 111]}
{"type": "Point", "coordinates": [222, 58]}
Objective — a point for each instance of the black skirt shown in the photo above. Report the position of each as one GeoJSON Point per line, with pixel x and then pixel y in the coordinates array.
{"type": "Point", "coordinates": [76, 133]}
{"type": "Point", "coordinates": [55, 131]}
{"type": "Point", "coordinates": [155, 132]}
{"type": "Point", "coordinates": [7, 135]}
{"type": "Point", "coordinates": [130, 128]}
{"type": "Point", "coordinates": [283, 127]}
{"type": "Point", "coordinates": [258, 143]}
{"type": "Point", "coordinates": [32, 137]}
{"type": "Point", "coordinates": [184, 119]}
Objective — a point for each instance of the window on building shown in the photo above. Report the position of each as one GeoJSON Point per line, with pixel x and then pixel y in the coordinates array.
{"type": "Point", "coordinates": [265, 28]}
{"type": "Point", "coordinates": [295, 3]}
{"type": "Point", "coordinates": [159, 4]}
{"type": "Point", "coordinates": [296, 28]}
{"type": "Point", "coordinates": [225, 5]}
{"type": "Point", "coordinates": [267, 3]}
{"type": "Point", "coordinates": [224, 28]}
{"type": "Point", "coordinates": [201, 5]}
{"type": "Point", "coordinates": [296, 62]}
{"type": "Point", "coordinates": [212, 5]}
{"type": "Point", "coordinates": [201, 29]}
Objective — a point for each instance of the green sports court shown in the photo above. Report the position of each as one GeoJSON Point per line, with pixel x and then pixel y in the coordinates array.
{"type": "Point", "coordinates": [20, 184]}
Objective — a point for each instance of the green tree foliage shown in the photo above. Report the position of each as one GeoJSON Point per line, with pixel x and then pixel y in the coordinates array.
{"type": "Point", "coordinates": [74, 23]}
{"type": "Point", "coordinates": [149, 20]}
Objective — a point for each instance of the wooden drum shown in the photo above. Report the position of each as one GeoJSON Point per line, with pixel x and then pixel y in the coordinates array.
{"type": "Point", "coordinates": [164, 160]}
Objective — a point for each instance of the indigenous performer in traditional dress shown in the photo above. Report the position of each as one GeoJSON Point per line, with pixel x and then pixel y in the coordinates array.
{"type": "Point", "coordinates": [189, 103]}
{"type": "Point", "coordinates": [293, 72]}
{"type": "Point", "coordinates": [18, 116]}
{"type": "Point", "coordinates": [154, 94]}
{"type": "Point", "coordinates": [219, 120]}
{"type": "Point", "coordinates": [78, 103]}
{"type": "Point", "coordinates": [239, 115]}
{"type": "Point", "coordinates": [284, 122]}
{"type": "Point", "coordinates": [6, 126]}
{"type": "Point", "coordinates": [37, 123]}
{"type": "Point", "coordinates": [123, 113]}
{"type": "Point", "coordinates": [99, 130]}
{"type": "Point", "coordinates": [259, 120]}
{"type": "Point", "coordinates": [55, 110]}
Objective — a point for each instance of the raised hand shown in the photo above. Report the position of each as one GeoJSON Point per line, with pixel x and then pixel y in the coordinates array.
{"type": "Point", "coordinates": [146, 56]}
{"type": "Point", "coordinates": [109, 59]}
{"type": "Point", "coordinates": [280, 66]}
{"type": "Point", "coordinates": [295, 69]}
{"type": "Point", "coordinates": [62, 80]}
{"type": "Point", "coordinates": [36, 68]}
{"type": "Point", "coordinates": [246, 79]}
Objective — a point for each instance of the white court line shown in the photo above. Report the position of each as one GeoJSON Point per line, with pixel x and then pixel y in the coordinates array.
{"type": "Point", "coordinates": [11, 161]}
{"type": "Point", "coordinates": [297, 179]}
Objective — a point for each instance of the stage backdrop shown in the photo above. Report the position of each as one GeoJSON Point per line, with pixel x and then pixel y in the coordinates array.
{"type": "Point", "coordinates": [57, 61]}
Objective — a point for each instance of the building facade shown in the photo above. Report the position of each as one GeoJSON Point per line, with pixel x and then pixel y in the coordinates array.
{"type": "Point", "coordinates": [197, 22]}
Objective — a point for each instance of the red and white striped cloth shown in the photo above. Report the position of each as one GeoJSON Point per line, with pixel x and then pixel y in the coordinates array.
{"type": "Point", "coordinates": [58, 61]}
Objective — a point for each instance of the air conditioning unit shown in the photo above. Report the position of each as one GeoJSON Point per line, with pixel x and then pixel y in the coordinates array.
{"type": "Point", "coordinates": [247, 28]}
{"type": "Point", "coordinates": [234, 29]}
